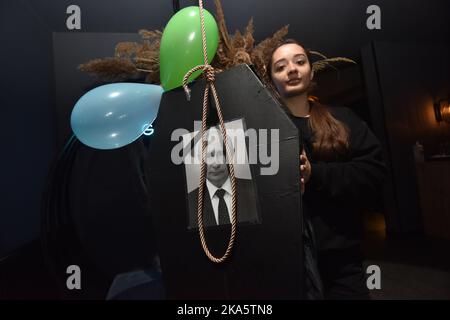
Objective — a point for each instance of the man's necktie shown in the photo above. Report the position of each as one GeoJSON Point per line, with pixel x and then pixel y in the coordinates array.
{"type": "Point", "coordinates": [224, 218]}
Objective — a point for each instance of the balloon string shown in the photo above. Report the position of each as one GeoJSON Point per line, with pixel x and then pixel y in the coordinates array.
{"type": "Point", "coordinates": [209, 73]}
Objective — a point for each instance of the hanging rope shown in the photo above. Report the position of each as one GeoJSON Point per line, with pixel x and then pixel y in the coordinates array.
{"type": "Point", "coordinates": [209, 73]}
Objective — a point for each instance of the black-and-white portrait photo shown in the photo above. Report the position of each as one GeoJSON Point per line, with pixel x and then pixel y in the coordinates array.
{"type": "Point", "coordinates": [217, 195]}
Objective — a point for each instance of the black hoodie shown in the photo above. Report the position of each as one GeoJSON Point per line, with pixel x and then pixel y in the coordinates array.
{"type": "Point", "coordinates": [338, 191]}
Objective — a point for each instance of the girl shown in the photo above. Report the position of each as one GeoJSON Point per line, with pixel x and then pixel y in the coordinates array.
{"type": "Point", "coordinates": [341, 169]}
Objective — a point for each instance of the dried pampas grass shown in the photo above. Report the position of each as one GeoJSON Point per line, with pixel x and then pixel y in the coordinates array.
{"type": "Point", "coordinates": [131, 60]}
{"type": "Point", "coordinates": [110, 69]}
{"type": "Point", "coordinates": [137, 59]}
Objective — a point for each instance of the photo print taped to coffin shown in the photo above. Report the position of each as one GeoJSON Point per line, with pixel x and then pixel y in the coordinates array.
{"type": "Point", "coordinates": [217, 190]}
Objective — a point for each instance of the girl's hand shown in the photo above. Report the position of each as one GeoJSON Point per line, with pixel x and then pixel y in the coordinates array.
{"type": "Point", "coordinates": [305, 171]}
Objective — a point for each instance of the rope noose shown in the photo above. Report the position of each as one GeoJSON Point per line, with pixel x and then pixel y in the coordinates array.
{"type": "Point", "coordinates": [209, 73]}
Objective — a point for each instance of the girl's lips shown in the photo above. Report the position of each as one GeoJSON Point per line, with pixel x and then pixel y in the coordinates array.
{"type": "Point", "coordinates": [294, 81]}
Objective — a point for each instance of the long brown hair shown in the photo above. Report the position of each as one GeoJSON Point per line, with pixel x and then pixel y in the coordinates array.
{"type": "Point", "coordinates": [330, 136]}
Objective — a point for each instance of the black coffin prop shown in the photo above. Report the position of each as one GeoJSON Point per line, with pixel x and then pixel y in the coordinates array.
{"type": "Point", "coordinates": [267, 259]}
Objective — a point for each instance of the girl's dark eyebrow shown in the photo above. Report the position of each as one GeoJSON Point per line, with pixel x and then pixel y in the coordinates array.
{"type": "Point", "coordinates": [283, 59]}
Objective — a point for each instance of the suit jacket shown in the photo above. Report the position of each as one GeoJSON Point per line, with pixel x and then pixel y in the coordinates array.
{"type": "Point", "coordinates": [246, 205]}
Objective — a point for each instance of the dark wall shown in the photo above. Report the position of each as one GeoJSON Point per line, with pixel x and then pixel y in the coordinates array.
{"type": "Point", "coordinates": [407, 79]}
{"type": "Point", "coordinates": [413, 76]}
{"type": "Point", "coordinates": [335, 27]}
{"type": "Point", "coordinates": [27, 121]}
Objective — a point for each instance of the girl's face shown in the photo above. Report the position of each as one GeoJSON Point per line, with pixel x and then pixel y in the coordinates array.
{"type": "Point", "coordinates": [290, 70]}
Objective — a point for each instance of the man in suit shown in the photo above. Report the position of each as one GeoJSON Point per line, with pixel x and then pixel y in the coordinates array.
{"type": "Point", "coordinates": [217, 194]}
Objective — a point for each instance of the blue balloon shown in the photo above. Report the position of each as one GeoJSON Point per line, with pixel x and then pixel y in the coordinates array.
{"type": "Point", "coordinates": [114, 115]}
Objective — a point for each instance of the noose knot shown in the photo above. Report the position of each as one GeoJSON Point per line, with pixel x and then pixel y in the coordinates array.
{"type": "Point", "coordinates": [209, 73]}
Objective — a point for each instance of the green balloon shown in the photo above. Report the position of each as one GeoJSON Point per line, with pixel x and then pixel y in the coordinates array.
{"type": "Point", "coordinates": [181, 45]}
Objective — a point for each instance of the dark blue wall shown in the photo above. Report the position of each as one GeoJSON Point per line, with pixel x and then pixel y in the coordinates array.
{"type": "Point", "coordinates": [27, 122]}
{"type": "Point", "coordinates": [336, 27]}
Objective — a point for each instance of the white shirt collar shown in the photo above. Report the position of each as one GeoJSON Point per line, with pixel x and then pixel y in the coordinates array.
{"type": "Point", "coordinates": [212, 188]}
